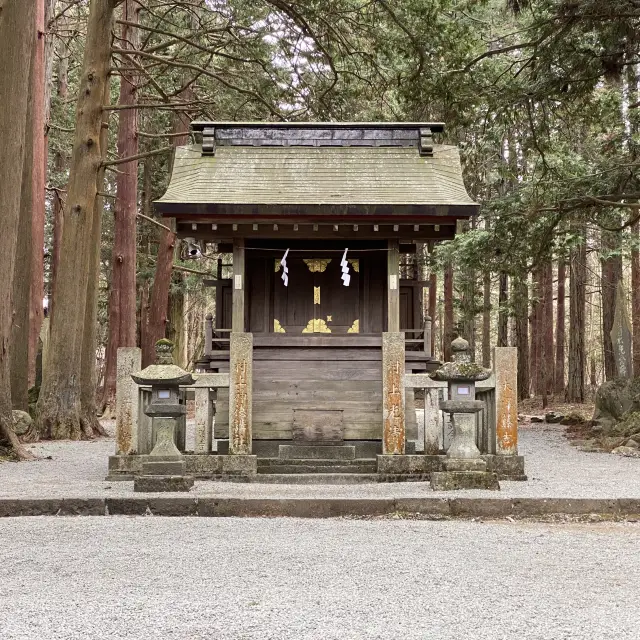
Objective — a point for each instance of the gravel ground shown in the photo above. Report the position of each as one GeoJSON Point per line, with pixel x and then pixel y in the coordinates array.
{"type": "Point", "coordinates": [555, 469]}
{"type": "Point", "coordinates": [287, 579]}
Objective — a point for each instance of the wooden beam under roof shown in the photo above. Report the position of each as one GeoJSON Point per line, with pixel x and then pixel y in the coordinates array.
{"type": "Point", "coordinates": [405, 232]}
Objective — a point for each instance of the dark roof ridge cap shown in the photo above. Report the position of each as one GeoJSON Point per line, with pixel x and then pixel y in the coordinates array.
{"type": "Point", "coordinates": [199, 125]}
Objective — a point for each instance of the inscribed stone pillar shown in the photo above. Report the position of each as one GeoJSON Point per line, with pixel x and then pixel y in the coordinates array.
{"type": "Point", "coordinates": [393, 426]}
{"type": "Point", "coordinates": [431, 421]}
{"type": "Point", "coordinates": [129, 360]}
{"type": "Point", "coordinates": [240, 393]}
{"type": "Point", "coordinates": [204, 419]}
{"type": "Point", "coordinates": [505, 361]}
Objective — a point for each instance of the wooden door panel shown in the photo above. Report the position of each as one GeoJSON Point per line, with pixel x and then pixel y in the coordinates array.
{"type": "Point", "coordinates": [293, 305]}
{"type": "Point", "coordinates": [339, 306]}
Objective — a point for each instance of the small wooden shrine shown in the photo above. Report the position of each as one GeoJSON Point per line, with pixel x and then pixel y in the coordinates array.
{"type": "Point", "coordinates": [287, 200]}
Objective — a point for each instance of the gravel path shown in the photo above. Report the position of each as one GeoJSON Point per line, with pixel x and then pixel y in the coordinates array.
{"type": "Point", "coordinates": [555, 469]}
{"type": "Point", "coordinates": [287, 579]}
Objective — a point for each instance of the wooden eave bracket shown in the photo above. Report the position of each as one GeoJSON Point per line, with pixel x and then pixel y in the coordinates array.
{"type": "Point", "coordinates": [209, 141]}
{"type": "Point", "coordinates": [425, 144]}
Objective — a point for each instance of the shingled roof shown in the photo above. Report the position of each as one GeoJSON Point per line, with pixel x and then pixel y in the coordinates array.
{"type": "Point", "coordinates": [363, 168]}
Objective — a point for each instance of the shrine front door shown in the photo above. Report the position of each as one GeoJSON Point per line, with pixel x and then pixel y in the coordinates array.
{"type": "Point", "coordinates": [316, 300]}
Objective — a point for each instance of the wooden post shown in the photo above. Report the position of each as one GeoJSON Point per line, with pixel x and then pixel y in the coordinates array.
{"type": "Point", "coordinates": [505, 363]}
{"type": "Point", "coordinates": [393, 287]}
{"type": "Point", "coordinates": [237, 320]}
{"type": "Point", "coordinates": [427, 336]}
{"type": "Point", "coordinates": [208, 335]}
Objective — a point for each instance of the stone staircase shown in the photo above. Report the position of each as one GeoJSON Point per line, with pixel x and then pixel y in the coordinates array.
{"type": "Point", "coordinates": [317, 464]}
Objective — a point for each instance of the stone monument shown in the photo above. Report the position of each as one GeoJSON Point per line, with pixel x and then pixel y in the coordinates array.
{"type": "Point", "coordinates": [464, 466]}
{"type": "Point", "coordinates": [165, 469]}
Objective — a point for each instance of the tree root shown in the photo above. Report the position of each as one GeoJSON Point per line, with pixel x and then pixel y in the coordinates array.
{"type": "Point", "coordinates": [7, 435]}
{"type": "Point", "coordinates": [91, 427]}
{"type": "Point", "coordinates": [57, 422]}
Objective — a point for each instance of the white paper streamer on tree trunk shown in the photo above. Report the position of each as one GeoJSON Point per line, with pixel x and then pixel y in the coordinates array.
{"type": "Point", "coordinates": [285, 269]}
{"type": "Point", "coordinates": [346, 278]}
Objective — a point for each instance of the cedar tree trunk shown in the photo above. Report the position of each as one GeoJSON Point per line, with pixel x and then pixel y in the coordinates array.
{"type": "Point", "coordinates": [560, 323]}
{"type": "Point", "coordinates": [447, 329]}
{"type": "Point", "coordinates": [58, 414]}
{"type": "Point", "coordinates": [22, 269]}
{"type": "Point", "coordinates": [38, 191]}
{"type": "Point", "coordinates": [611, 274]}
{"type": "Point", "coordinates": [577, 297]}
{"type": "Point", "coordinates": [546, 351]}
{"type": "Point", "coordinates": [88, 372]}
{"type": "Point", "coordinates": [521, 311]}
{"type": "Point", "coordinates": [60, 163]}
{"type": "Point", "coordinates": [503, 315]}
{"type": "Point", "coordinates": [17, 18]}
{"type": "Point", "coordinates": [433, 298]}
{"type": "Point", "coordinates": [635, 298]}
{"type": "Point", "coordinates": [122, 301]}
{"type": "Point", "coordinates": [156, 317]}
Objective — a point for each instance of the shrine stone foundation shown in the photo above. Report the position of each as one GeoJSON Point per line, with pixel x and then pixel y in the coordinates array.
{"type": "Point", "coordinates": [318, 361]}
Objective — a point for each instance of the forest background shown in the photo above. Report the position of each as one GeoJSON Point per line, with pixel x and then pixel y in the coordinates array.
{"type": "Point", "coordinates": [542, 96]}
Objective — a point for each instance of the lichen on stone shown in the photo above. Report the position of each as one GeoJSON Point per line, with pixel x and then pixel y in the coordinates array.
{"type": "Point", "coordinates": [461, 371]}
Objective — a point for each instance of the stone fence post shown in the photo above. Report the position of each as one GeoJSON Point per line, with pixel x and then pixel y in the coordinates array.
{"type": "Point", "coordinates": [505, 363]}
{"type": "Point", "coordinates": [129, 360]}
{"type": "Point", "coordinates": [240, 393]}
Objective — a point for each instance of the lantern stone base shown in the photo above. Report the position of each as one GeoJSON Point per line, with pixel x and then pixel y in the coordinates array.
{"type": "Point", "coordinates": [164, 468]}
{"type": "Point", "coordinates": [456, 480]}
{"type": "Point", "coordinates": [465, 464]}
{"type": "Point", "coordinates": [199, 466]}
{"type": "Point", "coordinates": [152, 484]}
{"type": "Point", "coordinates": [418, 466]}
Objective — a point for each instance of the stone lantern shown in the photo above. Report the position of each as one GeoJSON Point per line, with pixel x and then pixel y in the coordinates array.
{"type": "Point", "coordinates": [464, 466]}
{"type": "Point", "coordinates": [167, 472]}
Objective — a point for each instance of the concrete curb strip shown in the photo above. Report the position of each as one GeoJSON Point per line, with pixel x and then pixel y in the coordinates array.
{"type": "Point", "coordinates": [319, 507]}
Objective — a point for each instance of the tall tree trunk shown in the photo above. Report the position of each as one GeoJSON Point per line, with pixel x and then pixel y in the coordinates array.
{"type": "Point", "coordinates": [467, 302]}
{"type": "Point", "coordinates": [486, 319]}
{"type": "Point", "coordinates": [575, 391]}
{"type": "Point", "coordinates": [38, 186]}
{"type": "Point", "coordinates": [611, 242]}
{"type": "Point", "coordinates": [88, 372]}
{"type": "Point", "coordinates": [159, 298]}
{"type": "Point", "coordinates": [59, 402]}
{"type": "Point", "coordinates": [60, 163]}
{"type": "Point", "coordinates": [635, 298]}
{"type": "Point", "coordinates": [534, 363]}
{"type": "Point", "coordinates": [447, 329]}
{"type": "Point", "coordinates": [433, 307]}
{"type": "Point", "coordinates": [16, 52]}
{"type": "Point", "coordinates": [503, 314]}
{"type": "Point", "coordinates": [521, 311]}
{"type": "Point", "coordinates": [560, 323]}
{"type": "Point", "coordinates": [156, 324]}
{"type": "Point", "coordinates": [546, 351]}
{"type": "Point", "coordinates": [22, 269]}
{"type": "Point", "coordinates": [122, 303]}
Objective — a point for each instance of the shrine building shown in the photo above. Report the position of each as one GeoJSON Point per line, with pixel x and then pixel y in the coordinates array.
{"type": "Point", "coordinates": [312, 191]}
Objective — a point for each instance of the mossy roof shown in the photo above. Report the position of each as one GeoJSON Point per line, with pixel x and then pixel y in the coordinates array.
{"type": "Point", "coordinates": [373, 178]}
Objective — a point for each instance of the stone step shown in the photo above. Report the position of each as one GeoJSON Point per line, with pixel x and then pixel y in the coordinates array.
{"type": "Point", "coordinates": [312, 468]}
{"type": "Point", "coordinates": [319, 462]}
{"type": "Point", "coordinates": [316, 478]}
{"type": "Point", "coordinates": [314, 452]}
